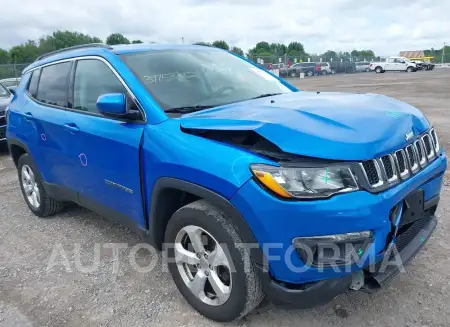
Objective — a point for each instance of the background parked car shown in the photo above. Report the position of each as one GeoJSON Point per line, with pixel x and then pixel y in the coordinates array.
{"type": "Point", "coordinates": [394, 64]}
{"type": "Point", "coordinates": [308, 68]}
{"type": "Point", "coordinates": [323, 68]}
{"type": "Point", "coordinates": [5, 98]}
{"type": "Point", "coordinates": [342, 67]}
{"type": "Point", "coordinates": [10, 82]}
{"type": "Point", "coordinates": [362, 66]}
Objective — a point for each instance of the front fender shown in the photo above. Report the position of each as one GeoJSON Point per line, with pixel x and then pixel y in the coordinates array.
{"type": "Point", "coordinates": [169, 152]}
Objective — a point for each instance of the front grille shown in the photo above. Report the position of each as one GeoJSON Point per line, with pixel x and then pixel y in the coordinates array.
{"type": "Point", "coordinates": [428, 147]}
{"type": "Point", "coordinates": [413, 164]}
{"type": "Point", "coordinates": [388, 168]}
{"type": "Point", "coordinates": [400, 155]}
{"type": "Point", "coordinates": [371, 172]}
{"type": "Point", "coordinates": [2, 133]}
{"type": "Point", "coordinates": [402, 163]}
{"type": "Point", "coordinates": [420, 149]}
{"type": "Point", "coordinates": [435, 140]}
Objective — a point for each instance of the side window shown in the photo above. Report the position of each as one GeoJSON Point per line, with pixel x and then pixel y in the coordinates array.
{"type": "Point", "coordinates": [92, 79]}
{"type": "Point", "coordinates": [32, 87]}
{"type": "Point", "coordinates": [391, 60]}
{"type": "Point", "coordinates": [54, 84]}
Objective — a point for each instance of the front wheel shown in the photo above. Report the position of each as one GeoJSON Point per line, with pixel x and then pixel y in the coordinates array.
{"type": "Point", "coordinates": [378, 70]}
{"type": "Point", "coordinates": [293, 74]}
{"type": "Point", "coordinates": [409, 69]}
{"type": "Point", "coordinates": [309, 73]}
{"type": "Point", "coordinates": [210, 268]}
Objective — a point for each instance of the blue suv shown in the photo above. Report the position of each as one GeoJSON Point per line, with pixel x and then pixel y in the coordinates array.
{"type": "Point", "coordinates": [252, 187]}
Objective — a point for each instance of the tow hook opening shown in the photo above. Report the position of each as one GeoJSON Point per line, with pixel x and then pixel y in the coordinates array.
{"type": "Point", "coordinates": [364, 281]}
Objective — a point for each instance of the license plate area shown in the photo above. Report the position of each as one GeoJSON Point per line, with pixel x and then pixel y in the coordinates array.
{"type": "Point", "coordinates": [413, 208]}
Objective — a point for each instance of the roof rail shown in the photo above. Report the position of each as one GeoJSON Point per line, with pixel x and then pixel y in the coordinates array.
{"type": "Point", "coordinates": [75, 47]}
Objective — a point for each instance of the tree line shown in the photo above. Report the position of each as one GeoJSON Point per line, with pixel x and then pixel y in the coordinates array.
{"type": "Point", "coordinates": [30, 50]}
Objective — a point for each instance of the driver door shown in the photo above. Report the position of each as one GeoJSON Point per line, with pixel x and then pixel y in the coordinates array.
{"type": "Point", "coordinates": [106, 150]}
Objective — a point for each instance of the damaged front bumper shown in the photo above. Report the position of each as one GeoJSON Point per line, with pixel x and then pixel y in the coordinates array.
{"type": "Point", "coordinates": [369, 280]}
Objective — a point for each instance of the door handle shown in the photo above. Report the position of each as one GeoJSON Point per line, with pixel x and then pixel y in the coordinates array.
{"type": "Point", "coordinates": [28, 116]}
{"type": "Point", "coordinates": [71, 127]}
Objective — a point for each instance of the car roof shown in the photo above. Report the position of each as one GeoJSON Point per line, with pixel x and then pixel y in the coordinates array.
{"type": "Point", "coordinates": [99, 49]}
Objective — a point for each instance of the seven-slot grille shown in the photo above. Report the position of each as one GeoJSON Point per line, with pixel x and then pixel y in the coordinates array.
{"type": "Point", "coordinates": [402, 163]}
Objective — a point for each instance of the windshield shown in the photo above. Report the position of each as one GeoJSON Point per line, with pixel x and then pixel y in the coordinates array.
{"type": "Point", "coordinates": [200, 77]}
{"type": "Point", "coordinates": [4, 93]}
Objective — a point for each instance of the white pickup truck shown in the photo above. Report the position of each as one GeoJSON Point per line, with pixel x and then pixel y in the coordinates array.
{"type": "Point", "coordinates": [393, 64]}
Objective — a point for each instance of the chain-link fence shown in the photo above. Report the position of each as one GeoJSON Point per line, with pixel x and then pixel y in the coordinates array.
{"type": "Point", "coordinates": [12, 70]}
{"type": "Point", "coordinates": [294, 66]}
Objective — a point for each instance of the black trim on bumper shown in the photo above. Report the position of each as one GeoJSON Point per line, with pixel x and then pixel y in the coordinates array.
{"type": "Point", "coordinates": [406, 255]}
{"type": "Point", "coordinates": [311, 295]}
{"type": "Point", "coordinates": [319, 293]}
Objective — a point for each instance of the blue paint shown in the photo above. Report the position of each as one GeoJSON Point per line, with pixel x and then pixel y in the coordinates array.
{"type": "Point", "coordinates": [350, 127]}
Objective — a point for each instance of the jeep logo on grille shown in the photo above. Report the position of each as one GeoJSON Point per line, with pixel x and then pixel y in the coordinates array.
{"type": "Point", "coordinates": [409, 136]}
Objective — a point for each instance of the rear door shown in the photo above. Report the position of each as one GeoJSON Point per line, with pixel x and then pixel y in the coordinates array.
{"type": "Point", "coordinates": [106, 150]}
{"type": "Point", "coordinates": [390, 64]}
{"type": "Point", "coordinates": [46, 116]}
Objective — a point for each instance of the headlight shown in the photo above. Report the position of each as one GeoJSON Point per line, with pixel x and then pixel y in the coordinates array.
{"type": "Point", "coordinates": [306, 182]}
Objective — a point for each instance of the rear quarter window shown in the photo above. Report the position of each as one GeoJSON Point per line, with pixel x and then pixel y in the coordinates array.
{"type": "Point", "coordinates": [54, 84]}
{"type": "Point", "coordinates": [32, 87]}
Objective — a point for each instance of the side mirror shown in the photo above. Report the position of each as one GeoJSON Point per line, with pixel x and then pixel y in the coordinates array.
{"type": "Point", "coordinates": [112, 104]}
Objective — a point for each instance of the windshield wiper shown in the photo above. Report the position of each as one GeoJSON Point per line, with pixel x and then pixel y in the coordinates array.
{"type": "Point", "coordinates": [265, 95]}
{"type": "Point", "coordinates": [187, 109]}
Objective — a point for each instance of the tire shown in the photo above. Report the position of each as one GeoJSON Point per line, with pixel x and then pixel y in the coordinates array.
{"type": "Point", "coordinates": [293, 74]}
{"type": "Point", "coordinates": [45, 205]}
{"type": "Point", "coordinates": [245, 284]}
{"type": "Point", "coordinates": [367, 70]}
{"type": "Point", "coordinates": [378, 70]}
{"type": "Point", "coordinates": [324, 72]}
{"type": "Point", "coordinates": [309, 73]}
{"type": "Point", "coordinates": [409, 69]}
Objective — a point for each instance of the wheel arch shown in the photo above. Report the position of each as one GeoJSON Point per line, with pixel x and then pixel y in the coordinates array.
{"type": "Point", "coordinates": [17, 149]}
{"type": "Point", "coordinates": [170, 194]}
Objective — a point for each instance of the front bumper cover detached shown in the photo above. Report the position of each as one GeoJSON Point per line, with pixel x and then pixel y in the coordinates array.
{"type": "Point", "coordinates": [321, 292]}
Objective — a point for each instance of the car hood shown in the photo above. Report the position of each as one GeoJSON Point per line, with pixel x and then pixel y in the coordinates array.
{"type": "Point", "coordinates": [335, 126]}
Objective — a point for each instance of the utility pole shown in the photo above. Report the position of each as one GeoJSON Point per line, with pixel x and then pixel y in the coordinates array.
{"type": "Point", "coordinates": [182, 40]}
{"type": "Point", "coordinates": [443, 53]}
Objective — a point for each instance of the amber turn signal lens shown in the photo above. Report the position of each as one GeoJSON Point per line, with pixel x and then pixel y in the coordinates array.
{"type": "Point", "coordinates": [267, 180]}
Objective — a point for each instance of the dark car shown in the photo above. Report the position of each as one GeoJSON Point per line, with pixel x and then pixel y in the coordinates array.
{"type": "Point", "coordinates": [5, 98]}
{"type": "Point", "coordinates": [308, 68]}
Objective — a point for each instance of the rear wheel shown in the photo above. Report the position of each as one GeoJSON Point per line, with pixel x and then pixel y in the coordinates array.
{"type": "Point", "coordinates": [309, 73]}
{"type": "Point", "coordinates": [33, 190]}
{"type": "Point", "coordinates": [293, 74]}
{"type": "Point", "coordinates": [209, 268]}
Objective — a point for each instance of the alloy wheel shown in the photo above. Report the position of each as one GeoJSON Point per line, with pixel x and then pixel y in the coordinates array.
{"type": "Point", "coordinates": [30, 187]}
{"type": "Point", "coordinates": [203, 265]}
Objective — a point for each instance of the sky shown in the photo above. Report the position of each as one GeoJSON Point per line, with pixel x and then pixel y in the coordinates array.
{"type": "Point", "coordinates": [385, 26]}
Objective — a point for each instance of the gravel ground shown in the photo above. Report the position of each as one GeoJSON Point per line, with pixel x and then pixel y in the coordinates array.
{"type": "Point", "coordinates": [35, 292]}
